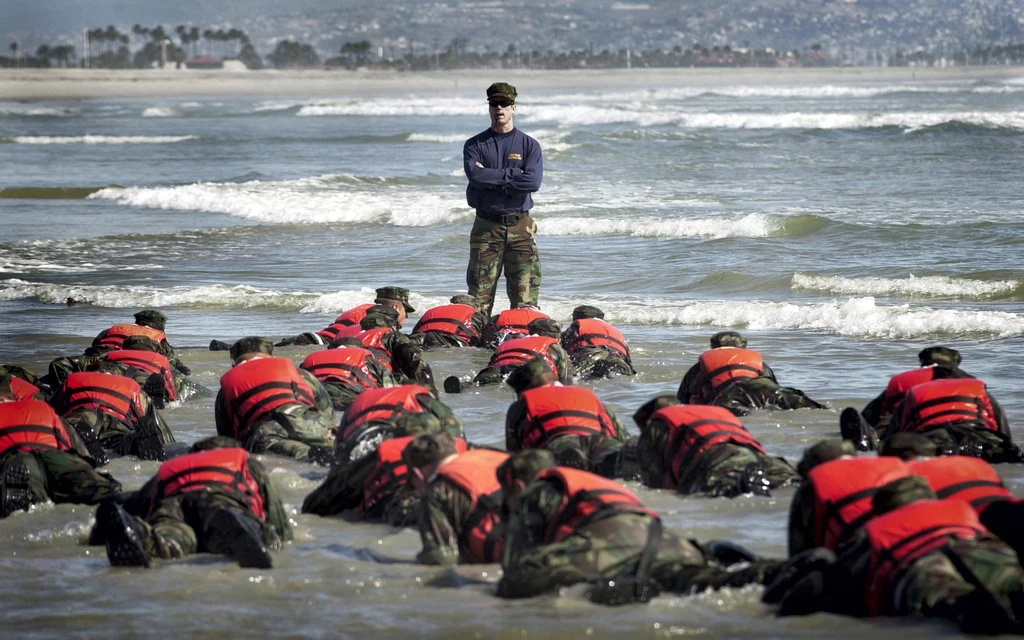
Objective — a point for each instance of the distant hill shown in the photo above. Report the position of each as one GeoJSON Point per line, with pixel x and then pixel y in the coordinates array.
{"type": "Point", "coordinates": [851, 29]}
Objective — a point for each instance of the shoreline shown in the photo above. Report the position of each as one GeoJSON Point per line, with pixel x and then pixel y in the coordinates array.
{"type": "Point", "coordinates": [38, 85]}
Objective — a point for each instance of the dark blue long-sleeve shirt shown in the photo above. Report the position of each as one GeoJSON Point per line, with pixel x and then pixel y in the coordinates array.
{"type": "Point", "coordinates": [512, 171]}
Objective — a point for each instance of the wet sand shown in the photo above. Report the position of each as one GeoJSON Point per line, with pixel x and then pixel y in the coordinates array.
{"type": "Point", "coordinates": [71, 84]}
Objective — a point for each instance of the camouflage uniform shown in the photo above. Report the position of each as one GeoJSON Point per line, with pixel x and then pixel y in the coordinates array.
{"type": "Point", "coordinates": [744, 394]}
{"type": "Point", "coordinates": [437, 417]}
{"type": "Point", "coordinates": [591, 361]}
{"type": "Point", "coordinates": [608, 548]}
{"type": "Point", "coordinates": [595, 453]}
{"type": "Point", "coordinates": [287, 431]}
{"type": "Point", "coordinates": [146, 318]}
{"type": "Point", "coordinates": [343, 393]}
{"type": "Point", "coordinates": [406, 355]}
{"type": "Point", "coordinates": [175, 526]}
{"type": "Point", "coordinates": [114, 434]}
{"type": "Point", "coordinates": [441, 339]}
{"type": "Point", "coordinates": [342, 489]}
{"type": "Point", "coordinates": [32, 476]}
{"type": "Point", "coordinates": [725, 470]}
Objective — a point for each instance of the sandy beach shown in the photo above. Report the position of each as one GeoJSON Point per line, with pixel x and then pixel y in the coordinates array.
{"type": "Point", "coordinates": [73, 84]}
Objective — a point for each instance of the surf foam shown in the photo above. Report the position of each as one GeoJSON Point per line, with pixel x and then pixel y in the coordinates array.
{"type": "Point", "coordinates": [750, 226]}
{"type": "Point", "coordinates": [926, 286]}
{"type": "Point", "coordinates": [87, 139]}
{"type": "Point", "coordinates": [325, 199]}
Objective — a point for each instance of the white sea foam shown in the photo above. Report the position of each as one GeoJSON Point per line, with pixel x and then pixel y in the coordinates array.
{"type": "Point", "coordinates": [568, 116]}
{"type": "Point", "coordinates": [16, 109]}
{"type": "Point", "coordinates": [750, 226]}
{"type": "Point", "coordinates": [324, 199]}
{"type": "Point", "coordinates": [395, 107]}
{"type": "Point", "coordinates": [140, 296]}
{"type": "Point", "coordinates": [159, 112]}
{"type": "Point", "coordinates": [87, 139]}
{"type": "Point", "coordinates": [433, 137]}
{"type": "Point", "coordinates": [926, 286]}
{"type": "Point", "coordinates": [855, 317]}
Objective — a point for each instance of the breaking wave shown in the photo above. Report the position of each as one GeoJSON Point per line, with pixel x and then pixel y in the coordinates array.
{"type": "Point", "coordinates": [87, 139]}
{"type": "Point", "coordinates": [926, 286]}
{"type": "Point", "coordinates": [324, 199]}
{"type": "Point", "coordinates": [750, 226]}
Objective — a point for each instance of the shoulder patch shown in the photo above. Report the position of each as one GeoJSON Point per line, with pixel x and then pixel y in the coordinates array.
{"type": "Point", "coordinates": [514, 156]}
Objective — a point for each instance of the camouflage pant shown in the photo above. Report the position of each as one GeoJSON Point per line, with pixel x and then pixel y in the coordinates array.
{"type": "Point", "coordinates": [438, 340]}
{"type": "Point", "coordinates": [115, 435]}
{"type": "Point", "coordinates": [342, 394]}
{"type": "Point", "coordinates": [761, 393]}
{"type": "Point", "coordinates": [598, 454]}
{"type": "Point", "coordinates": [493, 247]}
{"type": "Point", "coordinates": [61, 477]}
{"type": "Point", "coordinates": [595, 362]}
{"type": "Point", "coordinates": [291, 432]}
{"type": "Point", "coordinates": [975, 583]}
{"type": "Point", "coordinates": [971, 440]}
{"type": "Point", "coordinates": [728, 471]}
{"type": "Point", "coordinates": [178, 526]}
{"type": "Point", "coordinates": [611, 548]}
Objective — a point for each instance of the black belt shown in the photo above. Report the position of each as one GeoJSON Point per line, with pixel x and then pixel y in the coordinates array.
{"type": "Point", "coordinates": [506, 219]}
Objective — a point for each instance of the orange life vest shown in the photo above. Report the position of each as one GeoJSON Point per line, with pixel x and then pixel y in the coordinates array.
{"type": "Point", "coordinates": [721, 366]}
{"type": "Point", "coordinates": [454, 319]}
{"type": "Point", "coordinates": [843, 491]}
{"type": "Point", "coordinates": [255, 388]}
{"type": "Point", "coordinates": [519, 351]}
{"type": "Point", "coordinates": [149, 362]}
{"type": "Point", "coordinates": [222, 469]}
{"type": "Point", "coordinates": [963, 478]}
{"type": "Point", "coordinates": [373, 339]}
{"type": "Point", "coordinates": [693, 430]}
{"type": "Point", "coordinates": [26, 424]}
{"type": "Point", "coordinates": [592, 332]}
{"type": "Point", "coordinates": [475, 472]}
{"type": "Point", "coordinates": [350, 318]}
{"type": "Point", "coordinates": [116, 396]}
{"type": "Point", "coordinates": [512, 323]}
{"type": "Point", "coordinates": [345, 364]}
{"type": "Point", "coordinates": [552, 412]}
{"type": "Point", "coordinates": [390, 473]}
{"type": "Point", "coordinates": [941, 402]}
{"type": "Point", "coordinates": [900, 384]}
{"type": "Point", "coordinates": [116, 335]}
{"type": "Point", "coordinates": [382, 405]}
{"type": "Point", "coordinates": [902, 536]}
{"type": "Point", "coordinates": [23, 390]}
{"type": "Point", "coordinates": [587, 497]}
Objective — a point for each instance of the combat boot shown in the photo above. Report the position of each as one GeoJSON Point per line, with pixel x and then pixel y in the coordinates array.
{"type": "Point", "coordinates": [17, 495]}
{"type": "Point", "coordinates": [156, 389]}
{"type": "Point", "coordinates": [147, 443]}
{"type": "Point", "coordinates": [124, 537]}
{"type": "Point", "coordinates": [853, 428]}
{"type": "Point", "coordinates": [236, 535]}
{"type": "Point", "coordinates": [754, 480]}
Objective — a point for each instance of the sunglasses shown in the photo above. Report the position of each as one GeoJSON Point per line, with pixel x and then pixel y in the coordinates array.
{"type": "Point", "coordinates": [501, 103]}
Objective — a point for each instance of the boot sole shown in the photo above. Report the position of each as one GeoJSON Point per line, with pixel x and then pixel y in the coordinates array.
{"type": "Point", "coordinates": [147, 441]}
{"type": "Point", "coordinates": [125, 547]}
{"type": "Point", "coordinates": [244, 543]}
{"type": "Point", "coordinates": [17, 495]}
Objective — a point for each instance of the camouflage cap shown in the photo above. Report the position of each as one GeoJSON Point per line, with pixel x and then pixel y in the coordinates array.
{"type": "Point", "coordinates": [428, 450]}
{"type": "Point", "coordinates": [379, 316]}
{"type": "Point", "coordinates": [215, 442]}
{"type": "Point", "coordinates": [939, 355]}
{"type": "Point", "coordinates": [415, 424]}
{"type": "Point", "coordinates": [907, 446]}
{"type": "Point", "coordinates": [251, 344]}
{"type": "Point", "coordinates": [902, 492]}
{"type": "Point", "coordinates": [524, 465]}
{"type": "Point", "coordinates": [544, 327]}
{"type": "Point", "coordinates": [585, 311]}
{"type": "Point", "coordinates": [643, 415]}
{"type": "Point", "coordinates": [728, 339]}
{"type": "Point", "coordinates": [463, 298]}
{"type": "Point", "coordinates": [535, 373]}
{"type": "Point", "coordinates": [151, 318]}
{"type": "Point", "coordinates": [140, 343]}
{"type": "Point", "coordinates": [395, 293]}
{"type": "Point", "coordinates": [501, 90]}
{"type": "Point", "coordinates": [822, 452]}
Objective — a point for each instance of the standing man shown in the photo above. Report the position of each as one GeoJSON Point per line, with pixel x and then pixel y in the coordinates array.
{"type": "Point", "coordinates": [504, 167]}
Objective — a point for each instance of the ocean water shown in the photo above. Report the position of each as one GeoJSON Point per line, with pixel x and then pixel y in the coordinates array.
{"type": "Point", "coordinates": [840, 226]}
